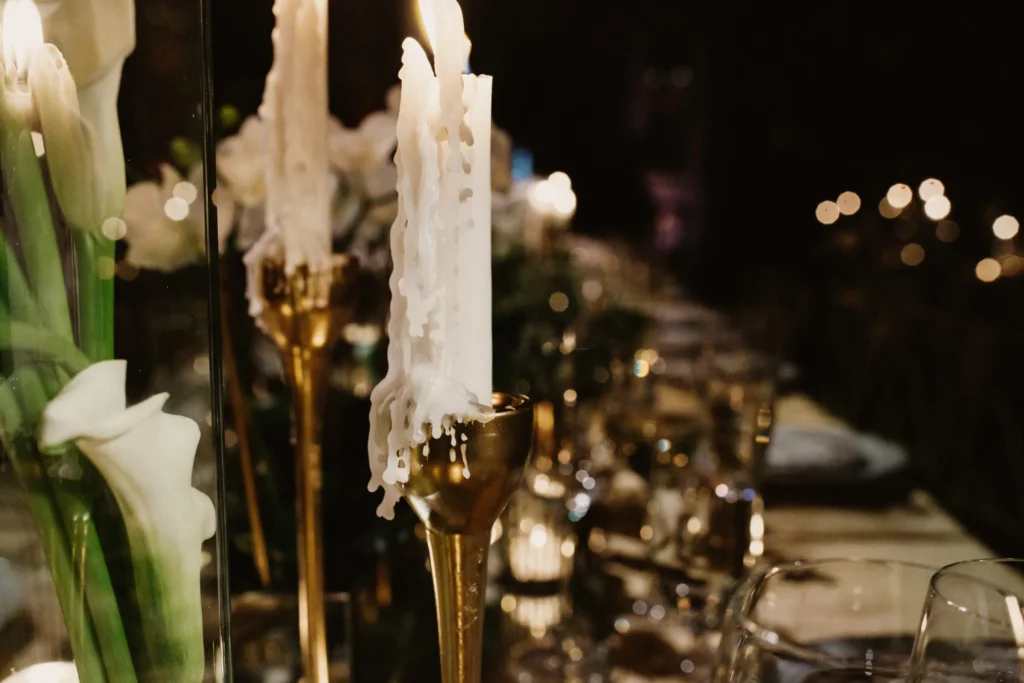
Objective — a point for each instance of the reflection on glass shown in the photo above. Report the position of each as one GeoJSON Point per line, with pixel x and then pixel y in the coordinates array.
{"type": "Point", "coordinates": [539, 541]}
{"type": "Point", "coordinates": [820, 622]}
{"type": "Point", "coordinates": [972, 628]}
{"type": "Point", "coordinates": [109, 462]}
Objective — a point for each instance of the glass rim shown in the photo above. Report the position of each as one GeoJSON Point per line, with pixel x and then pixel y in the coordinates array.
{"type": "Point", "coordinates": [771, 637]}
{"type": "Point", "coordinates": [948, 572]}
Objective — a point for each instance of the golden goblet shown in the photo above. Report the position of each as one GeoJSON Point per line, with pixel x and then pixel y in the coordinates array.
{"type": "Point", "coordinates": [459, 508]}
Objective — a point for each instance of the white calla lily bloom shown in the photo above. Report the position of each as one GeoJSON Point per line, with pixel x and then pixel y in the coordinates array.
{"type": "Point", "coordinates": [146, 457]}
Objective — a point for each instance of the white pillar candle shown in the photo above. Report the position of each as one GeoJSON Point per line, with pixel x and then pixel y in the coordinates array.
{"type": "Point", "coordinates": [439, 358]}
{"type": "Point", "coordinates": [296, 111]}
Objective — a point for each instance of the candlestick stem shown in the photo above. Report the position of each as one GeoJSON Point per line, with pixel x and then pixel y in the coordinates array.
{"type": "Point", "coordinates": [305, 370]}
{"type": "Point", "coordinates": [304, 315]}
{"type": "Point", "coordinates": [459, 508]}
{"type": "Point", "coordinates": [459, 563]}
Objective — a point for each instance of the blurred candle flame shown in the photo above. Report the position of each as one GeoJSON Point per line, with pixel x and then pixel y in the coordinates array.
{"type": "Point", "coordinates": [428, 24]}
{"type": "Point", "coordinates": [22, 35]}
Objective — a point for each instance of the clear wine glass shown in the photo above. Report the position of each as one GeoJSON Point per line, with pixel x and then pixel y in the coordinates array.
{"type": "Point", "coordinates": [826, 621]}
{"type": "Point", "coordinates": [972, 628]}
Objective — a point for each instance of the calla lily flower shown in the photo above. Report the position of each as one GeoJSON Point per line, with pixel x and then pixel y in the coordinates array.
{"type": "Point", "coordinates": [146, 457]}
{"type": "Point", "coordinates": [86, 170]}
{"type": "Point", "coordinates": [165, 220]}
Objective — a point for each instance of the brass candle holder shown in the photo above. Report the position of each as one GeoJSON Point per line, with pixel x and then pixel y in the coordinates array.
{"type": "Point", "coordinates": [459, 509]}
{"type": "Point", "coordinates": [304, 314]}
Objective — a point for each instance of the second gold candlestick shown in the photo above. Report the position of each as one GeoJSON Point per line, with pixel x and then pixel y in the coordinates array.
{"type": "Point", "coordinates": [304, 315]}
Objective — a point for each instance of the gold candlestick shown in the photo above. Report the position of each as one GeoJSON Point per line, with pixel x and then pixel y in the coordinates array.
{"type": "Point", "coordinates": [304, 315]}
{"type": "Point", "coordinates": [459, 509]}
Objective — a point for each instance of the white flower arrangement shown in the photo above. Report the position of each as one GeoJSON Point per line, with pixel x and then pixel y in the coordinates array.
{"type": "Point", "coordinates": [163, 234]}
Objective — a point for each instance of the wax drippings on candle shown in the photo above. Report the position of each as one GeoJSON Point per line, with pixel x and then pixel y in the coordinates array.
{"type": "Point", "coordinates": [439, 353]}
{"type": "Point", "coordinates": [299, 183]}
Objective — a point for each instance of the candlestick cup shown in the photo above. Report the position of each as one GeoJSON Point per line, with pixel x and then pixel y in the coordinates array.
{"type": "Point", "coordinates": [458, 488]}
{"type": "Point", "coordinates": [304, 314]}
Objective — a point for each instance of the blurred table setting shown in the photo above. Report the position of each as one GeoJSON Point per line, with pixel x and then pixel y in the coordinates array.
{"type": "Point", "coordinates": [682, 459]}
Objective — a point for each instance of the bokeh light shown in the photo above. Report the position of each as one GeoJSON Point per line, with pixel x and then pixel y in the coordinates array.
{"type": "Point", "coordinates": [888, 210]}
{"type": "Point", "coordinates": [827, 213]}
{"type": "Point", "coordinates": [558, 302]}
{"type": "Point", "coordinates": [899, 196]}
{"type": "Point", "coordinates": [938, 207]}
{"type": "Point", "coordinates": [1012, 265]}
{"type": "Point", "coordinates": [849, 203]}
{"type": "Point", "coordinates": [931, 188]}
{"type": "Point", "coordinates": [176, 209]}
{"type": "Point", "coordinates": [912, 254]}
{"type": "Point", "coordinates": [988, 270]}
{"type": "Point", "coordinates": [1006, 227]}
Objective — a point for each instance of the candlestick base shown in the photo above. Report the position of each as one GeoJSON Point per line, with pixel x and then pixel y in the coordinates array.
{"type": "Point", "coordinates": [459, 508]}
{"type": "Point", "coordinates": [304, 314]}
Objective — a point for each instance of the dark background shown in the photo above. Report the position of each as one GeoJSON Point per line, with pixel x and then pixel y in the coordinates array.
{"type": "Point", "coordinates": [727, 124]}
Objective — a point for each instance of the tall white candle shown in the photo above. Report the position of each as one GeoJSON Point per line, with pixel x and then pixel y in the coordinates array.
{"type": "Point", "coordinates": [296, 111]}
{"type": "Point", "coordinates": [439, 357]}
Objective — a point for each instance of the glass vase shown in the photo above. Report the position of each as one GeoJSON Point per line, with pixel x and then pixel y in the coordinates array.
{"type": "Point", "coordinates": [110, 498]}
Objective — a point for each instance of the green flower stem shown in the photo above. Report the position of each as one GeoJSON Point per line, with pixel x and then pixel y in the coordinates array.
{"type": "Point", "coordinates": [91, 565]}
{"type": "Point", "coordinates": [29, 340]}
{"type": "Point", "coordinates": [23, 179]}
{"type": "Point", "coordinates": [95, 296]}
{"type": "Point", "coordinates": [14, 290]}
{"type": "Point", "coordinates": [108, 251]}
{"type": "Point", "coordinates": [57, 549]}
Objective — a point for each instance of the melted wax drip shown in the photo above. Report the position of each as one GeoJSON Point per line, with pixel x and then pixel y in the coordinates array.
{"type": "Point", "coordinates": [420, 388]}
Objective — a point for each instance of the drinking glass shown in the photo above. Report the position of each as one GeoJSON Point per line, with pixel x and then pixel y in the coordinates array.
{"type": "Point", "coordinates": [972, 628]}
{"type": "Point", "coordinates": [823, 621]}
{"type": "Point", "coordinates": [720, 534]}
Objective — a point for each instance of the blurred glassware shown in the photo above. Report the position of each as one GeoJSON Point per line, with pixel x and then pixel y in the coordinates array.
{"type": "Point", "coordinates": [540, 543]}
{"type": "Point", "coordinates": [265, 638]}
{"type": "Point", "coordinates": [671, 478]}
{"type": "Point", "coordinates": [557, 659]}
{"type": "Point", "coordinates": [719, 534]}
{"type": "Point", "coordinates": [533, 615]}
{"type": "Point", "coordinates": [823, 621]}
{"type": "Point", "coordinates": [657, 646]}
{"type": "Point", "coordinates": [972, 628]}
{"type": "Point", "coordinates": [544, 643]}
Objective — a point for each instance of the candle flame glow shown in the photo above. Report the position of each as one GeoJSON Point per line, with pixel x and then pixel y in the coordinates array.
{"type": "Point", "coordinates": [428, 23]}
{"type": "Point", "coordinates": [22, 35]}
